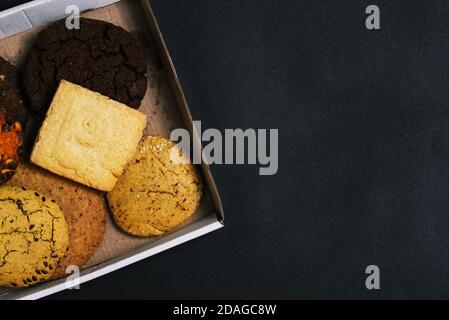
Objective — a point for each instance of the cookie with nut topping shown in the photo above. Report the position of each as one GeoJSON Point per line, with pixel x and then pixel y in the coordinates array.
{"type": "Point", "coordinates": [10, 147]}
{"type": "Point", "coordinates": [12, 119]}
{"type": "Point", "coordinates": [33, 237]}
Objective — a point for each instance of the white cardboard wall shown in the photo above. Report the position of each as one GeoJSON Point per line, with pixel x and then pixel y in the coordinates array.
{"type": "Point", "coordinates": [40, 12]}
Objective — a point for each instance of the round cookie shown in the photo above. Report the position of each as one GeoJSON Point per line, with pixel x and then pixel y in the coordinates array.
{"type": "Point", "coordinates": [10, 147]}
{"type": "Point", "coordinates": [155, 194]}
{"type": "Point", "coordinates": [84, 209]}
{"type": "Point", "coordinates": [12, 119]}
{"type": "Point", "coordinates": [33, 236]}
{"type": "Point", "coordinates": [9, 78]}
{"type": "Point", "coordinates": [99, 56]}
{"type": "Point", "coordinates": [11, 103]}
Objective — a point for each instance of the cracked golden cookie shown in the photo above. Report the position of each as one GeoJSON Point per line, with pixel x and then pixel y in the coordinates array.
{"type": "Point", "coordinates": [85, 212]}
{"type": "Point", "coordinates": [158, 190]}
{"type": "Point", "coordinates": [33, 236]}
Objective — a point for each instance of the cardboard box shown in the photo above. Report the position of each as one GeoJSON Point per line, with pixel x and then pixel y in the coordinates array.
{"type": "Point", "coordinates": [164, 103]}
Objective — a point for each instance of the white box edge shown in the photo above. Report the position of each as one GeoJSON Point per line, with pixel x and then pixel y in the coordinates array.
{"type": "Point", "coordinates": [34, 3]}
{"type": "Point", "coordinates": [190, 232]}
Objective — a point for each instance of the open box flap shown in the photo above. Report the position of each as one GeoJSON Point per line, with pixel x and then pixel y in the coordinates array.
{"type": "Point", "coordinates": [38, 13]}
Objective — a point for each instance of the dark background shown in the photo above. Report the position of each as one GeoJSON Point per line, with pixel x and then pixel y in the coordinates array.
{"type": "Point", "coordinates": [363, 151]}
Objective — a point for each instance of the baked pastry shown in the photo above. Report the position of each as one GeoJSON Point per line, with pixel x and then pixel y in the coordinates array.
{"type": "Point", "coordinates": [157, 191]}
{"type": "Point", "coordinates": [99, 56]}
{"type": "Point", "coordinates": [12, 119]}
{"type": "Point", "coordinates": [9, 78]}
{"type": "Point", "coordinates": [10, 146]}
{"type": "Point", "coordinates": [33, 237]}
{"type": "Point", "coordinates": [11, 102]}
{"type": "Point", "coordinates": [84, 210]}
{"type": "Point", "coordinates": [87, 137]}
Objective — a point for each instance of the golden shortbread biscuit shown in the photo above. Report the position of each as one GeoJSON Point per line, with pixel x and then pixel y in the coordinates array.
{"type": "Point", "coordinates": [87, 137]}
{"type": "Point", "coordinates": [33, 236]}
{"type": "Point", "coordinates": [155, 194]}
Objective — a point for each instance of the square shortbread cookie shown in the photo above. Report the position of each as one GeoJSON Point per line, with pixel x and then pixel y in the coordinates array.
{"type": "Point", "coordinates": [87, 137]}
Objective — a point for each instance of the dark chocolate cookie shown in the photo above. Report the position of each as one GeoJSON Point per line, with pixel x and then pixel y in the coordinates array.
{"type": "Point", "coordinates": [12, 119]}
{"type": "Point", "coordinates": [11, 103]}
{"type": "Point", "coordinates": [99, 56]}
{"type": "Point", "coordinates": [9, 78]}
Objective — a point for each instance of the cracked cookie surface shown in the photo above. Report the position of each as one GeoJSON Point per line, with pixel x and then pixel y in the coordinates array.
{"type": "Point", "coordinates": [33, 237]}
{"type": "Point", "coordinates": [99, 56]}
{"type": "Point", "coordinates": [84, 210]}
{"type": "Point", "coordinates": [155, 194]}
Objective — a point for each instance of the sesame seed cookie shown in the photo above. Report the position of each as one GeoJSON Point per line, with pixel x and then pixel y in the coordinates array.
{"type": "Point", "coordinates": [155, 194]}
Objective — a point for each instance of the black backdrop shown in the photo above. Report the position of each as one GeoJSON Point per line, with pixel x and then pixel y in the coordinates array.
{"type": "Point", "coordinates": [363, 151]}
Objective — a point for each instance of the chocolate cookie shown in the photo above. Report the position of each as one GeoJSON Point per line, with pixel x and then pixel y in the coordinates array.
{"type": "Point", "coordinates": [11, 103]}
{"type": "Point", "coordinates": [9, 78]}
{"type": "Point", "coordinates": [12, 119]}
{"type": "Point", "coordinates": [99, 56]}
